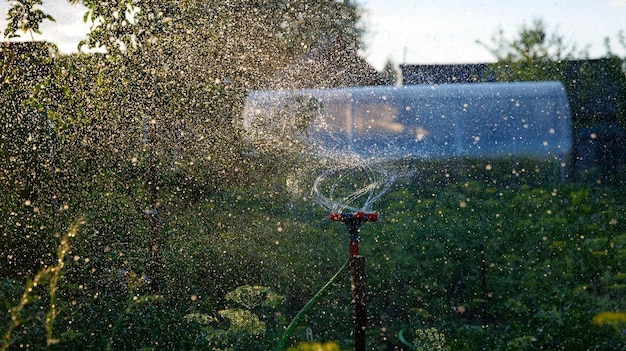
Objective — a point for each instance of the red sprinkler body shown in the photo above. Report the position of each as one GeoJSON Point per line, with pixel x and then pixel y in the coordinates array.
{"type": "Point", "coordinates": [354, 221]}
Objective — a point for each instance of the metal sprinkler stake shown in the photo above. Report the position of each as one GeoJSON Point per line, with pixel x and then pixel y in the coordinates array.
{"type": "Point", "coordinates": [354, 221]}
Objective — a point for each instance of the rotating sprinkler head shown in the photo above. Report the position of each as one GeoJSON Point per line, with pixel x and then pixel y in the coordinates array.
{"type": "Point", "coordinates": [359, 216]}
{"type": "Point", "coordinates": [354, 220]}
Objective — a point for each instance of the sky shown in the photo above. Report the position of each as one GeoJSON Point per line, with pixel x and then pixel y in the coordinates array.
{"type": "Point", "coordinates": [426, 31]}
{"type": "Point", "coordinates": [446, 31]}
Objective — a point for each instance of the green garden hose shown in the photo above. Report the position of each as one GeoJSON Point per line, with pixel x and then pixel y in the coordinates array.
{"type": "Point", "coordinates": [404, 341]}
{"type": "Point", "coordinates": [307, 307]}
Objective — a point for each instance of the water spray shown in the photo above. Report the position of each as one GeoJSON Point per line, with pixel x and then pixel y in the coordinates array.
{"type": "Point", "coordinates": [349, 203]}
{"type": "Point", "coordinates": [365, 150]}
{"type": "Point", "coordinates": [348, 193]}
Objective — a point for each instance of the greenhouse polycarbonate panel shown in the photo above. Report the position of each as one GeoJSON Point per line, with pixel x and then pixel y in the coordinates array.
{"type": "Point", "coordinates": [422, 121]}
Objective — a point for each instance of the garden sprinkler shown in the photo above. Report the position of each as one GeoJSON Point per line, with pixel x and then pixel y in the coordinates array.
{"type": "Point", "coordinates": [353, 221]}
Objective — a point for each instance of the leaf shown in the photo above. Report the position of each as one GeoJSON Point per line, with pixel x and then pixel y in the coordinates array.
{"type": "Point", "coordinates": [25, 17]}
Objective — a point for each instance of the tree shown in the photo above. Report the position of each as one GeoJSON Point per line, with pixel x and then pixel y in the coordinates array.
{"type": "Point", "coordinates": [157, 115]}
{"type": "Point", "coordinates": [27, 218]}
{"type": "Point", "coordinates": [177, 103]}
{"type": "Point", "coordinates": [24, 16]}
{"type": "Point", "coordinates": [390, 72]}
{"type": "Point", "coordinates": [254, 37]}
{"type": "Point", "coordinates": [621, 39]}
{"type": "Point", "coordinates": [535, 54]}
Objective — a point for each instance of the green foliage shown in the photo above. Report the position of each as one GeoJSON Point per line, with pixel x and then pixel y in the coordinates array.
{"type": "Point", "coordinates": [241, 328]}
{"type": "Point", "coordinates": [430, 339]}
{"type": "Point", "coordinates": [491, 259]}
{"type": "Point", "coordinates": [26, 174]}
{"type": "Point", "coordinates": [488, 262]}
{"type": "Point", "coordinates": [390, 72]}
{"type": "Point", "coordinates": [254, 297]}
{"type": "Point", "coordinates": [24, 16]}
{"type": "Point", "coordinates": [50, 275]}
{"type": "Point", "coordinates": [614, 319]}
{"type": "Point", "coordinates": [229, 26]}
{"type": "Point", "coordinates": [132, 282]}
{"type": "Point", "coordinates": [535, 54]}
{"type": "Point", "coordinates": [316, 346]}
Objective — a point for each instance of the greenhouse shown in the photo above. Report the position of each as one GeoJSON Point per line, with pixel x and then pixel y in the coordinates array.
{"type": "Point", "coordinates": [423, 121]}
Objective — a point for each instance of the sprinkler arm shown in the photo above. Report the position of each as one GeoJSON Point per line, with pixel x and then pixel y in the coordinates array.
{"type": "Point", "coordinates": [354, 220]}
{"type": "Point", "coordinates": [360, 215]}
